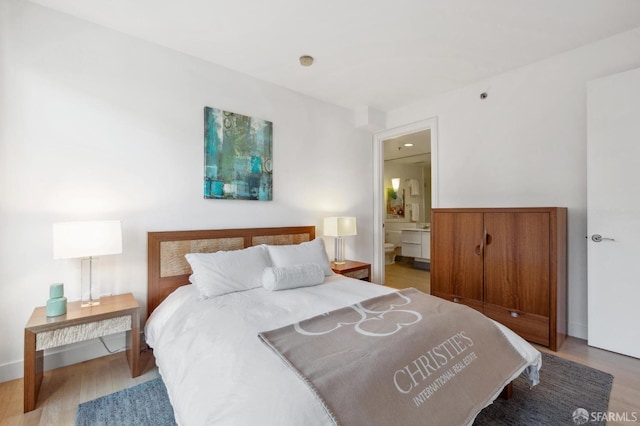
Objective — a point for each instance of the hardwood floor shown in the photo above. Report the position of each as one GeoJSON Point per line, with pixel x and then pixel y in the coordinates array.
{"type": "Point", "coordinates": [402, 274]}
{"type": "Point", "coordinates": [64, 388]}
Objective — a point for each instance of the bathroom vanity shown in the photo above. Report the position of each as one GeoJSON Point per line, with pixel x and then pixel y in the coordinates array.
{"type": "Point", "coordinates": [416, 243]}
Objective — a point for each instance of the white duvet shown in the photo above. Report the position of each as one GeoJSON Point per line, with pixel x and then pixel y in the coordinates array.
{"type": "Point", "coordinates": [216, 369]}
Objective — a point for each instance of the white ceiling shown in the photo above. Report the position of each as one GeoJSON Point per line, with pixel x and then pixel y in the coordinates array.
{"type": "Point", "coordinates": [419, 152]}
{"type": "Point", "coordinates": [377, 53]}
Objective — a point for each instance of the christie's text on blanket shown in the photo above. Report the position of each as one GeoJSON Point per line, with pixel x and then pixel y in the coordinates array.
{"type": "Point", "coordinates": [454, 354]}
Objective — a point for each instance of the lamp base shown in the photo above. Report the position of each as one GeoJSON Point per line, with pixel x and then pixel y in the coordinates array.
{"type": "Point", "coordinates": [339, 251]}
{"type": "Point", "coordinates": [90, 280]}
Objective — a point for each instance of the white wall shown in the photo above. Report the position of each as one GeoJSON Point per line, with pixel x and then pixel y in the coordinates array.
{"type": "Point", "coordinates": [99, 125]}
{"type": "Point", "coordinates": [525, 145]}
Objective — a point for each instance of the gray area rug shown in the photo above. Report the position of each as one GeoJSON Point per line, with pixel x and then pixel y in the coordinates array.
{"type": "Point", "coordinates": [564, 388]}
{"type": "Point", "coordinates": [144, 404]}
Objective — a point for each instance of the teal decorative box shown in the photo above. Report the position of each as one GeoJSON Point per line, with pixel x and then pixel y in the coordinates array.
{"type": "Point", "coordinates": [57, 304]}
{"type": "Point", "coordinates": [56, 290]}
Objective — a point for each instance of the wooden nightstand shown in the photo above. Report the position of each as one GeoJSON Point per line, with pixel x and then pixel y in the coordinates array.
{"type": "Point", "coordinates": [114, 314]}
{"type": "Point", "coordinates": [353, 269]}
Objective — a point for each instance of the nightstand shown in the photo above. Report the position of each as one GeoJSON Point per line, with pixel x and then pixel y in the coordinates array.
{"type": "Point", "coordinates": [353, 269]}
{"type": "Point", "coordinates": [114, 314]}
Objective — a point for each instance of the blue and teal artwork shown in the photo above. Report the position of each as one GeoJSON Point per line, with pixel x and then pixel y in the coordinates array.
{"type": "Point", "coordinates": [238, 156]}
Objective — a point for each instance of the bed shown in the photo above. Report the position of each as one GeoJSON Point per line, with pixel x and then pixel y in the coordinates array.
{"type": "Point", "coordinates": [219, 348]}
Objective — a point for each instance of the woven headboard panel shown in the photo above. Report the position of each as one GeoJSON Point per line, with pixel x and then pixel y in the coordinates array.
{"type": "Point", "coordinates": [169, 270]}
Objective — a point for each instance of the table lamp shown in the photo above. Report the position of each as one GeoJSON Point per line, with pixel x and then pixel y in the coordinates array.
{"type": "Point", "coordinates": [339, 227]}
{"type": "Point", "coordinates": [87, 240]}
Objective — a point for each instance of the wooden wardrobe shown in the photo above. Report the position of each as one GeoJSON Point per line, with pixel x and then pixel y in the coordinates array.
{"type": "Point", "coordinates": [509, 263]}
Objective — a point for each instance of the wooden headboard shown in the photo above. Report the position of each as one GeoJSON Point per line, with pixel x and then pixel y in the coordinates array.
{"type": "Point", "coordinates": [168, 269]}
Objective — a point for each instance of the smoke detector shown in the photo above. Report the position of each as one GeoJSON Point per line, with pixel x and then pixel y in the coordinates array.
{"type": "Point", "coordinates": [306, 60]}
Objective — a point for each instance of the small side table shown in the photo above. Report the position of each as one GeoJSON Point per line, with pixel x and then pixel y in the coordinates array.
{"type": "Point", "coordinates": [353, 269]}
{"type": "Point", "coordinates": [114, 314]}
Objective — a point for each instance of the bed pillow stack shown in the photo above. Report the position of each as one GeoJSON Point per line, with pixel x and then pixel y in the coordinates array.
{"type": "Point", "coordinates": [274, 267]}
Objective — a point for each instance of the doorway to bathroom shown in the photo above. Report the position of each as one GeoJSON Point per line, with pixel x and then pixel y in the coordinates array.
{"type": "Point", "coordinates": [405, 190]}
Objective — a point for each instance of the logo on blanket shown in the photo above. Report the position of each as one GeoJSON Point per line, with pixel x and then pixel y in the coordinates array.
{"type": "Point", "coordinates": [368, 321]}
{"type": "Point", "coordinates": [436, 367]}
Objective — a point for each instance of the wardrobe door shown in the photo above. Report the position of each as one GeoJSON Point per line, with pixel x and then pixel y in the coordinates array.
{"type": "Point", "coordinates": [517, 272]}
{"type": "Point", "coordinates": [456, 257]}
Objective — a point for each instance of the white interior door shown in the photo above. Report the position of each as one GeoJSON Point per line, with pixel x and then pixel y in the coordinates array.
{"type": "Point", "coordinates": [613, 212]}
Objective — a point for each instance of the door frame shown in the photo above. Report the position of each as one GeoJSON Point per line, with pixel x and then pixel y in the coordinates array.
{"type": "Point", "coordinates": [379, 211]}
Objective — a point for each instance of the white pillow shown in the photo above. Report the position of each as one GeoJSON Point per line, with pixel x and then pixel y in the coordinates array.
{"type": "Point", "coordinates": [285, 277]}
{"type": "Point", "coordinates": [296, 254]}
{"type": "Point", "coordinates": [224, 272]}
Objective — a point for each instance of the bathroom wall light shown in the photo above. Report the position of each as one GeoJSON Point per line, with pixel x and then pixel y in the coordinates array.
{"type": "Point", "coordinates": [395, 183]}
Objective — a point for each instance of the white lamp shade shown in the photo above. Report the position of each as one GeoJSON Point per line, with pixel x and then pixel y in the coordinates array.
{"type": "Point", "coordinates": [85, 239]}
{"type": "Point", "coordinates": [339, 226]}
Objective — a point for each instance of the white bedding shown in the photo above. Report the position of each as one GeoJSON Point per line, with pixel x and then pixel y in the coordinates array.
{"type": "Point", "coordinates": [216, 369]}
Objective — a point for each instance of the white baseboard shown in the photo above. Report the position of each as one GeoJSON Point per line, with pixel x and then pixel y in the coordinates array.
{"type": "Point", "coordinates": [578, 330]}
{"type": "Point", "coordinates": [67, 355]}
{"type": "Point", "coordinates": [11, 371]}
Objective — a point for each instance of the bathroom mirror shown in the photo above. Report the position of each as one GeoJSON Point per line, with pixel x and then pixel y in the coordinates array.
{"type": "Point", "coordinates": [395, 203]}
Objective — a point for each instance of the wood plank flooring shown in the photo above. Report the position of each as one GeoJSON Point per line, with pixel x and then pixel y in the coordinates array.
{"type": "Point", "coordinates": [402, 274]}
{"type": "Point", "coordinates": [64, 388]}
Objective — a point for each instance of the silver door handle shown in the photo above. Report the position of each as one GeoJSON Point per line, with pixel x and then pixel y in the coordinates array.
{"type": "Point", "coordinates": [596, 238]}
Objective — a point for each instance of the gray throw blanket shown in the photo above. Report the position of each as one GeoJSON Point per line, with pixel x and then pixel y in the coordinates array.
{"type": "Point", "coordinates": [404, 358]}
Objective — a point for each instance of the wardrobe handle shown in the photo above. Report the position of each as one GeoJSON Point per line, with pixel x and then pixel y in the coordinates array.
{"type": "Point", "coordinates": [480, 248]}
{"type": "Point", "coordinates": [487, 237]}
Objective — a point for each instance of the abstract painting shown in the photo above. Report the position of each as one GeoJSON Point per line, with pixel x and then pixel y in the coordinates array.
{"type": "Point", "coordinates": [238, 156]}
